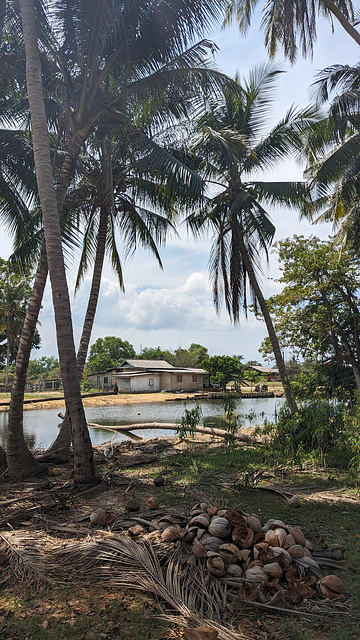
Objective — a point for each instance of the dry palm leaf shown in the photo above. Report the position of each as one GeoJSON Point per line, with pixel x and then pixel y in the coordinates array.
{"type": "Point", "coordinates": [133, 565]}
{"type": "Point", "coordinates": [26, 556]}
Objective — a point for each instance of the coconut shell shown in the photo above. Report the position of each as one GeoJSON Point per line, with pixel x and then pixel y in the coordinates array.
{"type": "Point", "coordinates": [234, 571]}
{"type": "Point", "coordinates": [98, 516]}
{"type": "Point", "coordinates": [296, 551]}
{"type": "Point", "coordinates": [215, 564]}
{"type": "Point", "coordinates": [289, 542]}
{"type": "Point", "coordinates": [152, 502]}
{"type": "Point", "coordinates": [171, 534]}
{"type": "Point", "coordinates": [273, 570]}
{"type": "Point", "coordinates": [254, 522]}
{"type": "Point", "coordinates": [198, 550]}
{"type": "Point", "coordinates": [298, 536]}
{"type": "Point", "coordinates": [219, 527]}
{"type": "Point", "coordinates": [332, 583]}
{"type": "Point", "coordinates": [281, 536]}
{"type": "Point", "coordinates": [211, 543]}
{"type": "Point", "coordinates": [230, 553]}
{"type": "Point", "coordinates": [282, 557]}
{"type": "Point", "coordinates": [256, 574]}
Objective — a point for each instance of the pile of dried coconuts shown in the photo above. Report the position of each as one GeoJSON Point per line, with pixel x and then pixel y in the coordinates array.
{"type": "Point", "coordinates": [273, 560]}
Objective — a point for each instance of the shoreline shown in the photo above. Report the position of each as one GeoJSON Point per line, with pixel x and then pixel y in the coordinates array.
{"type": "Point", "coordinates": [108, 400]}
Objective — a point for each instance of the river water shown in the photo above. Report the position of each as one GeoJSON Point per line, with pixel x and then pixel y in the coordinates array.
{"type": "Point", "coordinates": [41, 426]}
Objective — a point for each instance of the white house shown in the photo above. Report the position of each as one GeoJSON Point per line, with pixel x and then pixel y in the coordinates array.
{"type": "Point", "coordinates": [141, 376]}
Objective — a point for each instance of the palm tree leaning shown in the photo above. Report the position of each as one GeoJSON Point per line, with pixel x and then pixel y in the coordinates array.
{"type": "Point", "coordinates": [229, 142]}
{"type": "Point", "coordinates": [292, 23]}
{"type": "Point", "coordinates": [84, 470]}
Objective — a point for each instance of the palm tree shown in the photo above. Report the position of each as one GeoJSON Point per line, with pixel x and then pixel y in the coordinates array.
{"type": "Point", "coordinates": [332, 151]}
{"type": "Point", "coordinates": [292, 23]}
{"type": "Point", "coordinates": [105, 198]}
{"type": "Point", "coordinates": [123, 36]}
{"type": "Point", "coordinates": [228, 141]}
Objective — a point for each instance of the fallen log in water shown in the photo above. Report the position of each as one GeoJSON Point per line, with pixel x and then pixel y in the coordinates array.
{"type": "Point", "coordinates": [211, 431]}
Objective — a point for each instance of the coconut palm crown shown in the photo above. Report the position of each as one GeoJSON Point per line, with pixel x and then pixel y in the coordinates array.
{"type": "Point", "coordinates": [233, 149]}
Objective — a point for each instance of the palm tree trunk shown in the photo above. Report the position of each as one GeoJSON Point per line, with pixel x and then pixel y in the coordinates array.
{"type": "Point", "coordinates": [353, 33]}
{"type": "Point", "coordinates": [84, 470]}
{"type": "Point", "coordinates": [7, 361]}
{"type": "Point", "coordinates": [60, 449]}
{"type": "Point", "coordinates": [21, 462]}
{"type": "Point", "coordinates": [270, 328]}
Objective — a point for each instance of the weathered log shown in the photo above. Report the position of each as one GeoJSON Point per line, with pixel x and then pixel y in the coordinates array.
{"type": "Point", "coordinates": [211, 431]}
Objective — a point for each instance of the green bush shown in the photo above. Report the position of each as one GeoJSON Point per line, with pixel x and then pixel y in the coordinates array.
{"type": "Point", "coordinates": [320, 430]}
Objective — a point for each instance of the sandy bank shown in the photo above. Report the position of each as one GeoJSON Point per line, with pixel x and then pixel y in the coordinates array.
{"type": "Point", "coordinates": [112, 400]}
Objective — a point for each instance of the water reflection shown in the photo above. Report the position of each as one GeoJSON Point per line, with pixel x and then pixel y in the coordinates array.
{"type": "Point", "coordinates": [41, 426]}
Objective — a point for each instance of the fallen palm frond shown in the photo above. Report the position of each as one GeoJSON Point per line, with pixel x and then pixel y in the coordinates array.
{"type": "Point", "coordinates": [133, 565]}
{"type": "Point", "coordinates": [26, 556]}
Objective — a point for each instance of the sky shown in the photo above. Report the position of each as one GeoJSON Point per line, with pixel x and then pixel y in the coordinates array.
{"type": "Point", "coordinates": [173, 307]}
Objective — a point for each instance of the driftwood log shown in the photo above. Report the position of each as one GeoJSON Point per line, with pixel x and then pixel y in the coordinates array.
{"type": "Point", "coordinates": [171, 426]}
{"type": "Point", "coordinates": [210, 431]}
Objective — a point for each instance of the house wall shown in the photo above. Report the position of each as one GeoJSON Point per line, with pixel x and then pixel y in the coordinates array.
{"type": "Point", "coordinates": [178, 381]}
{"type": "Point", "coordinates": [145, 384]}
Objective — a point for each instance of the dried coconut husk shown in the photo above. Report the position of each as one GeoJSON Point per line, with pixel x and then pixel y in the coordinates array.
{"type": "Point", "coordinates": [254, 522]}
{"type": "Point", "coordinates": [305, 590]}
{"type": "Point", "coordinates": [291, 574]}
{"type": "Point", "coordinates": [282, 557]}
{"type": "Point", "coordinates": [230, 553]}
{"type": "Point", "coordinates": [273, 570]}
{"type": "Point", "coordinates": [298, 536]}
{"type": "Point", "coordinates": [189, 535]}
{"type": "Point", "coordinates": [201, 520]}
{"type": "Point", "coordinates": [236, 517]}
{"type": "Point", "coordinates": [248, 591]}
{"type": "Point", "coordinates": [234, 571]}
{"type": "Point", "coordinates": [219, 527]}
{"type": "Point", "coordinates": [136, 531]}
{"type": "Point", "coordinates": [256, 574]}
{"type": "Point", "coordinates": [211, 543]}
{"type": "Point", "coordinates": [198, 550]}
{"type": "Point", "coordinates": [331, 587]}
{"type": "Point", "coordinates": [289, 542]}
{"type": "Point", "coordinates": [266, 555]}
{"type": "Point", "coordinates": [281, 536]}
{"type": "Point", "coordinates": [296, 551]}
{"type": "Point", "coordinates": [171, 534]}
{"type": "Point", "coordinates": [243, 536]}
{"type": "Point", "coordinates": [259, 537]}
{"type": "Point", "coordinates": [267, 590]}
{"type": "Point", "coordinates": [215, 564]}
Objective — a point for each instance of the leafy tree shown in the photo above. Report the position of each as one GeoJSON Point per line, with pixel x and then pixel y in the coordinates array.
{"type": "Point", "coordinates": [15, 291]}
{"type": "Point", "coordinates": [155, 353]}
{"type": "Point", "coordinates": [199, 354]}
{"type": "Point", "coordinates": [223, 369]}
{"type": "Point", "coordinates": [109, 352]}
{"type": "Point", "coordinates": [317, 314]}
{"type": "Point", "coordinates": [43, 367]}
{"type": "Point", "coordinates": [292, 23]}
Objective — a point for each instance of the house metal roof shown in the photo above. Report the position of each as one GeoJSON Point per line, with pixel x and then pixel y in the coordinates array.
{"type": "Point", "coordinates": [146, 364]}
{"type": "Point", "coordinates": [263, 369]}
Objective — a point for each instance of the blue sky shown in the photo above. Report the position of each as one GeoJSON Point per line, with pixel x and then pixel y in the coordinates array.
{"type": "Point", "coordinates": [174, 307]}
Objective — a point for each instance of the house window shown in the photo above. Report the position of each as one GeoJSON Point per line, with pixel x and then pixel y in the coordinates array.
{"type": "Point", "coordinates": [106, 380]}
{"type": "Point", "coordinates": [194, 378]}
{"type": "Point", "coordinates": [151, 382]}
{"type": "Point", "coordinates": [178, 378]}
